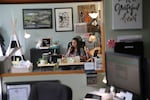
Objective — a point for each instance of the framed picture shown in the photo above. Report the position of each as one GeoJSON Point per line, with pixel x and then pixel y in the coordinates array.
{"type": "Point", "coordinates": [83, 12]}
{"type": "Point", "coordinates": [18, 92]}
{"type": "Point", "coordinates": [37, 18]}
{"type": "Point", "coordinates": [127, 14]}
{"type": "Point", "coordinates": [63, 19]}
{"type": "Point", "coordinates": [46, 42]}
{"type": "Point", "coordinates": [83, 15]}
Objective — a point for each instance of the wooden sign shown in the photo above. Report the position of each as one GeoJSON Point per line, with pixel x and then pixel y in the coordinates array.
{"type": "Point", "coordinates": [127, 14]}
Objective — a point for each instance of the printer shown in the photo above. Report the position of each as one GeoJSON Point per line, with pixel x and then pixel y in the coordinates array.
{"type": "Point", "coordinates": [131, 47]}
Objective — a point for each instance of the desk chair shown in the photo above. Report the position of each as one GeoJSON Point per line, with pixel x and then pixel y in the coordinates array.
{"type": "Point", "coordinates": [50, 91]}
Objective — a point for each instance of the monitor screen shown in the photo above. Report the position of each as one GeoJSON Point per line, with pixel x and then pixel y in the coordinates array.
{"type": "Point", "coordinates": [123, 71]}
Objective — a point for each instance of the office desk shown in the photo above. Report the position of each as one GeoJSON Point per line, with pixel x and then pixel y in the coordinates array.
{"type": "Point", "coordinates": [62, 64]}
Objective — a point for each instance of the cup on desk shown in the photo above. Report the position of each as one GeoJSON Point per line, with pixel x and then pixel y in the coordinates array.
{"type": "Point", "coordinates": [77, 59]}
{"type": "Point", "coordinates": [59, 60]}
{"type": "Point", "coordinates": [70, 60]}
{"type": "Point", "coordinates": [43, 61]}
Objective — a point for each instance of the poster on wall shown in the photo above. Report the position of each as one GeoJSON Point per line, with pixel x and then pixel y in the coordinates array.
{"type": "Point", "coordinates": [127, 14]}
{"type": "Point", "coordinates": [63, 19]}
{"type": "Point", "coordinates": [83, 12]}
{"type": "Point", "coordinates": [37, 18]}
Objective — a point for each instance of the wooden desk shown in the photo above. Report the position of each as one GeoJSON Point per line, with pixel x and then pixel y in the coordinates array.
{"type": "Point", "coordinates": [62, 64]}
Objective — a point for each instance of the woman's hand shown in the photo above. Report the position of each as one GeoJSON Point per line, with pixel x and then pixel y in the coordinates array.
{"type": "Point", "coordinates": [69, 51]}
{"type": "Point", "coordinates": [83, 58]}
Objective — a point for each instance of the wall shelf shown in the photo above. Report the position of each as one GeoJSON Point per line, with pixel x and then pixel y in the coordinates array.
{"type": "Point", "coordinates": [41, 1]}
{"type": "Point", "coordinates": [47, 73]}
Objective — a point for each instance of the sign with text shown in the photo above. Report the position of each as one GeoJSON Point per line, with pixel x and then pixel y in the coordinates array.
{"type": "Point", "coordinates": [127, 14]}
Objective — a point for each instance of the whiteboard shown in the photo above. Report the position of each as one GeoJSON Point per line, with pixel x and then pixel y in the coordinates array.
{"type": "Point", "coordinates": [127, 14]}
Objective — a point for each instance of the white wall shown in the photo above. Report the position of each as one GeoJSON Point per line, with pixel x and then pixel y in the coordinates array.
{"type": "Point", "coordinates": [9, 11]}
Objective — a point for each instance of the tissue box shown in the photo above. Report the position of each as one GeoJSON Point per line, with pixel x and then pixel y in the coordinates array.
{"type": "Point", "coordinates": [20, 70]}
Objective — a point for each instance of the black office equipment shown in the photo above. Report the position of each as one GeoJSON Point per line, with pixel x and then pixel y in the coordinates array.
{"type": "Point", "coordinates": [124, 71]}
{"type": "Point", "coordinates": [146, 78]}
{"type": "Point", "coordinates": [93, 96]}
{"type": "Point", "coordinates": [36, 54]}
{"type": "Point", "coordinates": [133, 48]}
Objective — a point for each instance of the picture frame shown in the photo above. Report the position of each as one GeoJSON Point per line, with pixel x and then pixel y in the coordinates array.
{"type": "Point", "coordinates": [18, 92]}
{"type": "Point", "coordinates": [46, 42]}
{"type": "Point", "coordinates": [83, 15]}
{"type": "Point", "coordinates": [127, 19]}
{"type": "Point", "coordinates": [63, 19]}
{"type": "Point", "coordinates": [83, 12]}
{"type": "Point", "coordinates": [37, 18]}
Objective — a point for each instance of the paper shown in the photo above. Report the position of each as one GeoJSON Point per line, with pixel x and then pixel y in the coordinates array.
{"type": "Point", "coordinates": [80, 27]}
{"type": "Point", "coordinates": [98, 63]}
{"type": "Point", "coordinates": [126, 38]}
{"type": "Point", "coordinates": [129, 96]}
{"type": "Point", "coordinates": [89, 99]}
{"type": "Point", "coordinates": [102, 90]}
{"type": "Point", "coordinates": [89, 66]}
{"type": "Point", "coordinates": [18, 92]}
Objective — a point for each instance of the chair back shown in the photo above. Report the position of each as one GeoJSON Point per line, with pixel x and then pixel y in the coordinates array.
{"type": "Point", "coordinates": [50, 91]}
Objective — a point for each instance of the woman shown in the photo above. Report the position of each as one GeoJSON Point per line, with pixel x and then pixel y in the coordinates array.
{"type": "Point", "coordinates": [75, 50]}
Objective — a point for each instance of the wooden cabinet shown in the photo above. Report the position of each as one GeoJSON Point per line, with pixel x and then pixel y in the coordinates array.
{"type": "Point", "coordinates": [41, 1]}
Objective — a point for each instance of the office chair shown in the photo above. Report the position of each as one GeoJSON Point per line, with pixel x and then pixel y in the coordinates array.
{"type": "Point", "coordinates": [81, 44]}
{"type": "Point", "coordinates": [50, 91]}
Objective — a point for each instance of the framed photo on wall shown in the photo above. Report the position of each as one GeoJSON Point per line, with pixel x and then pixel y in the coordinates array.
{"type": "Point", "coordinates": [37, 18]}
{"type": "Point", "coordinates": [83, 15]}
{"type": "Point", "coordinates": [83, 12]}
{"type": "Point", "coordinates": [46, 42]}
{"type": "Point", "coordinates": [63, 19]}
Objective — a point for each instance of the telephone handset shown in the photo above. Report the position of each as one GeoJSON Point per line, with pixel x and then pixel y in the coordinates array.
{"type": "Point", "coordinates": [72, 48]}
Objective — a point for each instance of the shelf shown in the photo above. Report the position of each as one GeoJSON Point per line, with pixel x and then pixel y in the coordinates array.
{"type": "Point", "coordinates": [47, 73]}
{"type": "Point", "coordinates": [42, 73]}
{"type": "Point", "coordinates": [62, 64]}
{"type": "Point", "coordinates": [41, 1]}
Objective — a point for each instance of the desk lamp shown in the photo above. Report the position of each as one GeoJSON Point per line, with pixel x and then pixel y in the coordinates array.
{"type": "Point", "coordinates": [94, 16]}
{"type": "Point", "coordinates": [27, 35]}
{"type": "Point", "coordinates": [94, 25]}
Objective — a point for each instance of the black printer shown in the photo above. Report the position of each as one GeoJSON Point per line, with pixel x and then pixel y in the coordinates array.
{"type": "Point", "coordinates": [131, 47]}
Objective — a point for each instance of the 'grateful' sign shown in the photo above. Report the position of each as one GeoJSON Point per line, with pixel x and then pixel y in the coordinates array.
{"type": "Point", "coordinates": [127, 14]}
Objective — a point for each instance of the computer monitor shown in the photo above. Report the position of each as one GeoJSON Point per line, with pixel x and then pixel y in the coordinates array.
{"type": "Point", "coordinates": [124, 72]}
{"type": "Point", "coordinates": [146, 78]}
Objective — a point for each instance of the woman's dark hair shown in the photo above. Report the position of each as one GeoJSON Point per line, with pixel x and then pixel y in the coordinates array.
{"type": "Point", "coordinates": [78, 46]}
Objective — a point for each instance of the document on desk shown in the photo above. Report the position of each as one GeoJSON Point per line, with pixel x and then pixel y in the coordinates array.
{"type": "Point", "coordinates": [89, 66]}
{"type": "Point", "coordinates": [18, 92]}
{"type": "Point", "coordinates": [129, 96]}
